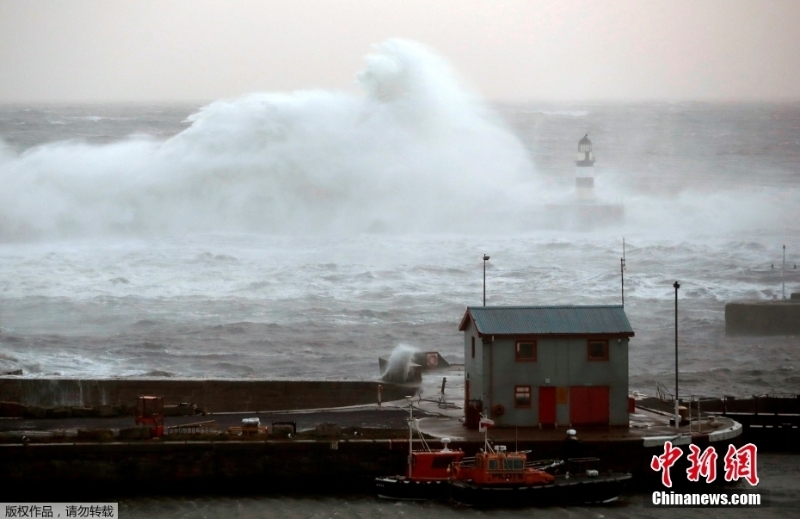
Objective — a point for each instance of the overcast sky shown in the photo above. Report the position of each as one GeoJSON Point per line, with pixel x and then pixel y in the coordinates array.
{"type": "Point", "coordinates": [566, 50]}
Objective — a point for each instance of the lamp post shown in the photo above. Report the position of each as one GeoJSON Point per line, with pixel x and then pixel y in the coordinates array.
{"type": "Point", "coordinates": [485, 259]}
{"type": "Point", "coordinates": [677, 414]}
{"type": "Point", "coordinates": [622, 272]}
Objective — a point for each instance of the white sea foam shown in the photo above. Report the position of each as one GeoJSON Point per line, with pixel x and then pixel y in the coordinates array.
{"type": "Point", "coordinates": [416, 151]}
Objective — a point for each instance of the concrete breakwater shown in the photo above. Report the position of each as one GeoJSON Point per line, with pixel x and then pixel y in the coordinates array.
{"type": "Point", "coordinates": [208, 395]}
{"type": "Point", "coordinates": [763, 317]}
{"type": "Point", "coordinates": [771, 422]}
{"type": "Point", "coordinates": [145, 467]}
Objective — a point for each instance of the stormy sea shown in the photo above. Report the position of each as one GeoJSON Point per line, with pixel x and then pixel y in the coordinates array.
{"type": "Point", "coordinates": [305, 234]}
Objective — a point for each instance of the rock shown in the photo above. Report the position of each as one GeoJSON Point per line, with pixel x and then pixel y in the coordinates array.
{"type": "Point", "coordinates": [35, 411]}
{"type": "Point", "coordinates": [327, 429]}
{"type": "Point", "coordinates": [182, 409]}
{"type": "Point", "coordinates": [59, 412]}
{"type": "Point", "coordinates": [134, 433]}
{"type": "Point", "coordinates": [95, 434]}
{"type": "Point", "coordinates": [83, 412]}
{"type": "Point", "coordinates": [107, 411]}
{"type": "Point", "coordinates": [11, 409]}
{"type": "Point", "coordinates": [283, 430]}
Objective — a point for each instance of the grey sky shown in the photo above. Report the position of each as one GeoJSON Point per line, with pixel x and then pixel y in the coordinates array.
{"type": "Point", "coordinates": [147, 50]}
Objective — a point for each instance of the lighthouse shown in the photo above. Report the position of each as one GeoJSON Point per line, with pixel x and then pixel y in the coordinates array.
{"type": "Point", "coordinates": [583, 211]}
{"type": "Point", "coordinates": [584, 169]}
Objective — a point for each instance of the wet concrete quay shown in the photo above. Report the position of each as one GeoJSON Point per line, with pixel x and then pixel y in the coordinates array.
{"type": "Point", "coordinates": [356, 443]}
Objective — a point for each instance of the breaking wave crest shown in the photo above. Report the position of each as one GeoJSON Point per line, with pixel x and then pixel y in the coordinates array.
{"type": "Point", "coordinates": [416, 151]}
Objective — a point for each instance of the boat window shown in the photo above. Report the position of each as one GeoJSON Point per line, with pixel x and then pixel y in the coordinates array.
{"type": "Point", "coordinates": [493, 465]}
{"type": "Point", "coordinates": [442, 462]}
{"type": "Point", "coordinates": [513, 463]}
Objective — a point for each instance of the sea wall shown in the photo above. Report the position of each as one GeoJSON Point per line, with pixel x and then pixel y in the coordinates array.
{"type": "Point", "coordinates": [153, 467]}
{"type": "Point", "coordinates": [763, 317]}
{"type": "Point", "coordinates": [89, 470]}
{"type": "Point", "coordinates": [209, 395]}
{"type": "Point", "coordinates": [74, 470]}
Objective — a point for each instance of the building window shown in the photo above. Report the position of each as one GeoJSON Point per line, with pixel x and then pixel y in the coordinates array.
{"type": "Point", "coordinates": [598, 350]}
{"type": "Point", "coordinates": [473, 347]}
{"type": "Point", "coordinates": [526, 351]}
{"type": "Point", "coordinates": [522, 396]}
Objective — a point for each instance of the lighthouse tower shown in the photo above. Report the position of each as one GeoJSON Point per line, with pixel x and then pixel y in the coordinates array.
{"type": "Point", "coordinates": [585, 211]}
{"type": "Point", "coordinates": [584, 171]}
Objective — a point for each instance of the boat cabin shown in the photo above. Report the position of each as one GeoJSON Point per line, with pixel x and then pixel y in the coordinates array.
{"type": "Point", "coordinates": [501, 468]}
{"type": "Point", "coordinates": [433, 465]}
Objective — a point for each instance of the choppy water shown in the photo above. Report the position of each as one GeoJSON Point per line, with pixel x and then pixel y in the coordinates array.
{"type": "Point", "coordinates": [778, 474]}
{"type": "Point", "coordinates": [306, 234]}
{"type": "Point", "coordinates": [263, 306]}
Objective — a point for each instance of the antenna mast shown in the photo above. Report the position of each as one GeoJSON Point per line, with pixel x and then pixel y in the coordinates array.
{"type": "Point", "coordinates": [622, 272]}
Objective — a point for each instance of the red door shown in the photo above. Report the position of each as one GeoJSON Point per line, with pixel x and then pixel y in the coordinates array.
{"type": "Point", "coordinates": [588, 405]}
{"type": "Point", "coordinates": [547, 405]}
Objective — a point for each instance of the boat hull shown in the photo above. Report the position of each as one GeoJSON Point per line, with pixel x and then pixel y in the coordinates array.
{"type": "Point", "coordinates": [395, 487]}
{"type": "Point", "coordinates": [562, 491]}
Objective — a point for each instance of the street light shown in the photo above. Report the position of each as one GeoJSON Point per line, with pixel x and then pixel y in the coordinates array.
{"type": "Point", "coordinates": [677, 414]}
{"type": "Point", "coordinates": [485, 259]}
{"type": "Point", "coordinates": [783, 286]}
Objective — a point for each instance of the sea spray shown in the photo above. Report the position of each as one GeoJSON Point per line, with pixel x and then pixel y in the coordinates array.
{"type": "Point", "coordinates": [416, 151]}
{"type": "Point", "coordinates": [709, 211]}
{"type": "Point", "coordinates": [398, 366]}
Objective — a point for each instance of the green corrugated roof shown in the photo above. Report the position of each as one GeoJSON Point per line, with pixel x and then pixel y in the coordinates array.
{"type": "Point", "coordinates": [549, 320]}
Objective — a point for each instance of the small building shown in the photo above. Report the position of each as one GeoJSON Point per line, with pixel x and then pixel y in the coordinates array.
{"type": "Point", "coordinates": [546, 365]}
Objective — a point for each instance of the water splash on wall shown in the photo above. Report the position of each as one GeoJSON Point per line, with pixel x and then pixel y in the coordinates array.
{"type": "Point", "coordinates": [399, 363]}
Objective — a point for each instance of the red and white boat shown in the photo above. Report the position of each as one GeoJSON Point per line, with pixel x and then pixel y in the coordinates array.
{"type": "Point", "coordinates": [427, 472]}
{"type": "Point", "coordinates": [499, 478]}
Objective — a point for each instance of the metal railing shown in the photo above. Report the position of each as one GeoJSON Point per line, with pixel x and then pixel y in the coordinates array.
{"type": "Point", "coordinates": [663, 393]}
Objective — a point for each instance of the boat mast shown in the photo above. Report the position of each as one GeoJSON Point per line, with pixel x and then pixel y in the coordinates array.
{"type": "Point", "coordinates": [410, 433]}
{"type": "Point", "coordinates": [486, 446]}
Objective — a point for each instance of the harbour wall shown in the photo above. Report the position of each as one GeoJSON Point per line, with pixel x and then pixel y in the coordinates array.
{"type": "Point", "coordinates": [770, 422]}
{"type": "Point", "coordinates": [90, 469]}
{"type": "Point", "coordinates": [211, 396]}
{"type": "Point", "coordinates": [763, 317]}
